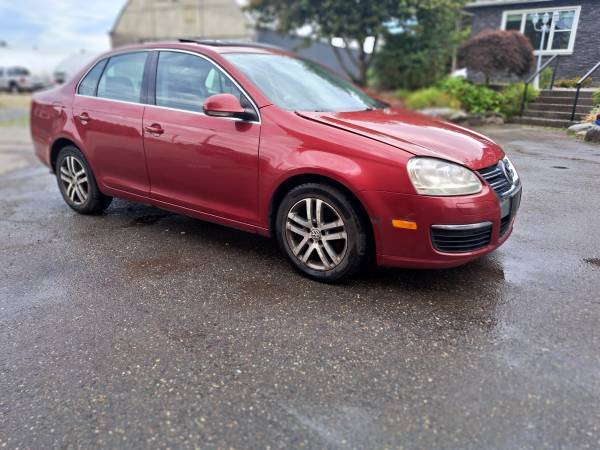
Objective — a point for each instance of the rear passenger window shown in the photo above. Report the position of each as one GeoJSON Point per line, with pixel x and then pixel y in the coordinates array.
{"type": "Point", "coordinates": [90, 82]}
{"type": "Point", "coordinates": [122, 78]}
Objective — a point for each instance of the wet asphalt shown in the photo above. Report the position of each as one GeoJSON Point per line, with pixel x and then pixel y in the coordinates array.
{"type": "Point", "coordinates": [145, 329]}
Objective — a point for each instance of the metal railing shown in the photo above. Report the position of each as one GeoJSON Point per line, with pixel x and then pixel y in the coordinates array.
{"type": "Point", "coordinates": [533, 77]}
{"type": "Point", "coordinates": [579, 84]}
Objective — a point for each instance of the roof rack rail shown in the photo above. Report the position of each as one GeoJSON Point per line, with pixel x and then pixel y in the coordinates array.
{"type": "Point", "coordinates": [220, 43]}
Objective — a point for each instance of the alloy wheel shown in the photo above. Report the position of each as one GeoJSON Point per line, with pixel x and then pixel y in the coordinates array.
{"type": "Point", "coordinates": [316, 234]}
{"type": "Point", "coordinates": [74, 180]}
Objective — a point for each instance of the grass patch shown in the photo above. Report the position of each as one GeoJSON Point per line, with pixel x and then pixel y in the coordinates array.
{"type": "Point", "coordinates": [15, 100]}
{"type": "Point", "coordinates": [17, 122]}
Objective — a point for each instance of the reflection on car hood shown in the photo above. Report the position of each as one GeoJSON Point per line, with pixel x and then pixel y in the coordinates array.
{"type": "Point", "coordinates": [416, 133]}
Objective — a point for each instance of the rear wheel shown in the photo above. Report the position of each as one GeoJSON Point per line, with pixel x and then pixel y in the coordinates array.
{"type": "Point", "coordinates": [320, 231]}
{"type": "Point", "coordinates": [77, 183]}
{"type": "Point", "coordinates": [14, 88]}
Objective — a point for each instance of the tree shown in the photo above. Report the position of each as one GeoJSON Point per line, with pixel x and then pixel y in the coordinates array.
{"type": "Point", "coordinates": [492, 52]}
{"type": "Point", "coordinates": [353, 21]}
{"type": "Point", "coordinates": [422, 54]}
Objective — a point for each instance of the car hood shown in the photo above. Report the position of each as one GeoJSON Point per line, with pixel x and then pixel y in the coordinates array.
{"type": "Point", "coordinates": [416, 133]}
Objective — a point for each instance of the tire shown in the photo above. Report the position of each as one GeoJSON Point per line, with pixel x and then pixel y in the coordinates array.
{"type": "Point", "coordinates": [313, 243]}
{"type": "Point", "coordinates": [14, 88]}
{"type": "Point", "coordinates": [77, 183]}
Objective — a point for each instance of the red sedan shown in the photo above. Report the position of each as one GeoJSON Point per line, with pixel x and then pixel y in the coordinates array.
{"type": "Point", "coordinates": [258, 139]}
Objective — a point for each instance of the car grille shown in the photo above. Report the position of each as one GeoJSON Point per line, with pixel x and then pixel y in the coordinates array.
{"type": "Point", "coordinates": [496, 178]}
{"type": "Point", "coordinates": [504, 224]}
{"type": "Point", "coordinates": [459, 240]}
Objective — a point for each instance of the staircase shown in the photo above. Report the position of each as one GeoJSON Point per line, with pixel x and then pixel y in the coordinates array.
{"type": "Point", "coordinates": [553, 108]}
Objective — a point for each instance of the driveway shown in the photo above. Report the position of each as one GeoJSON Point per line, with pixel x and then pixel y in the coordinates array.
{"type": "Point", "coordinates": [143, 328]}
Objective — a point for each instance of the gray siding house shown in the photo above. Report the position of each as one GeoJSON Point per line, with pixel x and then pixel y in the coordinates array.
{"type": "Point", "coordinates": [575, 36]}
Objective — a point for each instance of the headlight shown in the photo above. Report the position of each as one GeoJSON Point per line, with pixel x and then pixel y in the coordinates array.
{"type": "Point", "coordinates": [432, 176]}
{"type": "Point", "coordinates": [511, 172]}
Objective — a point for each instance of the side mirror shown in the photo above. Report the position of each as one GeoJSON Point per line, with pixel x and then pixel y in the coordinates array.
{"type": "Point", "coordinates": [223, 105]}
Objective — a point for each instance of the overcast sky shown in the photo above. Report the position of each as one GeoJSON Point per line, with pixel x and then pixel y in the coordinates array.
{"type": "Point", "coordinates": [58, 25]}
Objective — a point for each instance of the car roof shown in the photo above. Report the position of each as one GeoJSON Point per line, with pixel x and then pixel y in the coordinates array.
{"type": "Point", "coordinates": [208, 46]}
{"type": "Point", "coordinates": [211, 49]}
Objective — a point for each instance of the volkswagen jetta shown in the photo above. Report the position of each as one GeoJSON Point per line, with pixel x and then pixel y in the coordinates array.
{"type": "Point", "coordinates": [261, 140]}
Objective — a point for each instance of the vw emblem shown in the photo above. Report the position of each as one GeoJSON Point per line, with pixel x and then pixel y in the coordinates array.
{"type": "Point", "coordinates": [506, 171]}
{"type": "Point", "coordinates": [315, 234]}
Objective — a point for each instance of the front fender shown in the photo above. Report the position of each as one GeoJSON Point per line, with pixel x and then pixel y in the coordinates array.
{"type": "Point", "coordinates": [292, 146]}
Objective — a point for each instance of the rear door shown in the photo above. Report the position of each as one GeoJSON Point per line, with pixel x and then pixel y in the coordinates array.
{"type": "Point", "coordinates": [108, 111]}
{"type": "Point", "coordinates": [208, 164]}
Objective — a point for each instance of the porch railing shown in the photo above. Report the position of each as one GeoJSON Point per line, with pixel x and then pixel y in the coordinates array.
{"type": "Point", "coordinates": [579, 84]}
{"type": "Point", "coordinates": [534, 75]}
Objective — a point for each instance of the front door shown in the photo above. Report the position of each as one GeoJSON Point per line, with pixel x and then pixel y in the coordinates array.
{"type": "Point", "coordinates": [108, 113]}
{"type": "Point", "coordinates": [203, 163]}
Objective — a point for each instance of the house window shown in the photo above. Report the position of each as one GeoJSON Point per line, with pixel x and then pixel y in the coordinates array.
{"type": "Point", "coordinates": [561, 37]}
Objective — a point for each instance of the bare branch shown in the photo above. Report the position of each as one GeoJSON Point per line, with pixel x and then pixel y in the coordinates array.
{"type": "Point", "coordinates": [350, 54]}
{"type": "Point", "coordinates": [342, 62]}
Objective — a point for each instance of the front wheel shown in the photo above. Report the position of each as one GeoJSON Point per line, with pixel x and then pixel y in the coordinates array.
{"type": "Point", "coordinates": [77, 183]}
{"type": "Point", "coordinates": [321, 232]}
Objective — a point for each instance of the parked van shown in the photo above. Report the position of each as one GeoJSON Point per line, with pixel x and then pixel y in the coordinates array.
{"type": "Point", "coordinates": [19, 79]}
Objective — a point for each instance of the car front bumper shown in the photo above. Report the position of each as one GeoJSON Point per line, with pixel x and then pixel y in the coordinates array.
{"type": "Point", "coordinates": [419, 248]}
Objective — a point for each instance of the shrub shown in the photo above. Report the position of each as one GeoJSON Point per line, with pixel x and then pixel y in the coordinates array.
{"type": "Point", "coordinates": [431, 98]}
{"type": "Point", "coordinates": [591, 117]}
{"type": "Point", "coordinates": [499, 51]}
{"type": "Point", "coordinates": [474, 98]}
{"type": "Point", "coordinates": [512, 97]}
{"type": "Point", "coordinates": [545, 78]}
{"type": "Point", "coordinates": [402, 94]}
{"type": "Point", "coordinates": [571, 83]}
{"type": "Point", "coordinates": [458, 92]}
{"type": "Point", "coordinates": [480, 99]}
{"type": "Point", "coordinates": [596, 97]}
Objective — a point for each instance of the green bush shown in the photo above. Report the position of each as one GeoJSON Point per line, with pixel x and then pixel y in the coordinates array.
{"type": "Point", "coordinates": [431, 98]}
{"type": "Point", "coordinates": [474, 98]}
{"type": "Point", "coordinates": [571, 83]}
{"type": "Point", "coordinates": [402, 94]}
{"type": "Point", "coordinates": [546, 78]}
{"type": "Point", "coordinates": [596, 97]}
{"type": "Point", "coordinates": [512, 97]}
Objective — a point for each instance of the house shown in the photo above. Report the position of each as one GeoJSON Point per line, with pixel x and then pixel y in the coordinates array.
{"type": "Point", "coordinates": [159, 20]}
{"type": "Point", "coordinates": [574, 36]}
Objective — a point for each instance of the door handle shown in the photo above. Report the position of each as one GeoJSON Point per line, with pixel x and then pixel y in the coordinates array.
{"type": "Point", "coordinates": [155, 129]}
{"type": "Point", "coordinates": [84, 117]}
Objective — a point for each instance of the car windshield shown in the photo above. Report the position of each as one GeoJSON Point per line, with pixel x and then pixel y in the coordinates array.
{"type": "Point", "coordinates": [299, 85]}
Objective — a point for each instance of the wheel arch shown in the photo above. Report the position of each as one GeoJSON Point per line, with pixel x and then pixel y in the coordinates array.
{"type": "Point", "coordinates": [303, 178]}
{"type": "Point", "coordinates": [56, 147]}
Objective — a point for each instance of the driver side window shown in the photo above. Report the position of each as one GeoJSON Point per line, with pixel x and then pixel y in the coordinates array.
{"type": "Point", "coordinates": [185, 81]}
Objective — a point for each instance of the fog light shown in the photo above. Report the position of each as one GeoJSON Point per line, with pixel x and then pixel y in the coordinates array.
{"type": "Point", "coordinates": [405, 224]}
